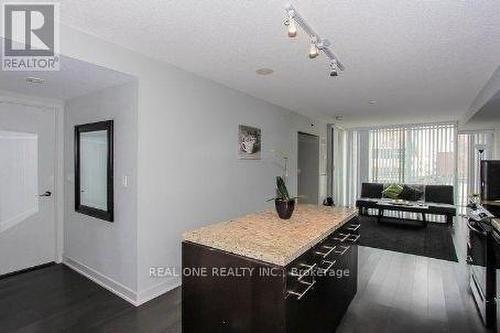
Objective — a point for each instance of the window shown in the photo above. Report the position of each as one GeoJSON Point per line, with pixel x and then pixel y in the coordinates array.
{"type": "Point", "coordinates": [416, 154]}
{"type": "Point", "coordinates": [468, 176]}
{"type": "Point", "coordinates": [386, 153]}
{"type": "Point", "coordinates": [421, 154]}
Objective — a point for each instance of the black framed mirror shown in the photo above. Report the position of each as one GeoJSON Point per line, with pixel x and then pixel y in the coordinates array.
{"type": "Point", "coordinates": [94, 170]}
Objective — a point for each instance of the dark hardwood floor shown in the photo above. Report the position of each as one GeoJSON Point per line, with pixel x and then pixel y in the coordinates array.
{"type": "Point", "coordinates": [400, 292]}
{"type": "Point", "coordinates": [406, 293]}
{"type": "Point", "coordinates": [397, 293]}
{"type": "Point", "coordinates": [57, 299]}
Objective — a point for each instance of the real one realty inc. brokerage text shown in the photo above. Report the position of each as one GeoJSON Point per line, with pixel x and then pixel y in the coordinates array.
{"type": "Point", "coordinates": [161, 272]}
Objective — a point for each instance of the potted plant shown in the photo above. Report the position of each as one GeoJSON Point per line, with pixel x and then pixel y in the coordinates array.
{"type": "Point", "coordinates": [283, 202]}
{"type": "Point", "coordinates": [475, 198]}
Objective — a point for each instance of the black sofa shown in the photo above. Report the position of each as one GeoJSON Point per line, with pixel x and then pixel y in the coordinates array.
{"type": "Point", "coordinates": [437, 199]}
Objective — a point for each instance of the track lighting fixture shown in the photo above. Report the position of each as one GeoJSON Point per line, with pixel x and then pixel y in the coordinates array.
{"type": "Point", "coordinates": [293, 18]}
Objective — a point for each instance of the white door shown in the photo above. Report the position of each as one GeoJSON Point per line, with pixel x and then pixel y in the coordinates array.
{"type": "Point", "coordinates": [27, 218]}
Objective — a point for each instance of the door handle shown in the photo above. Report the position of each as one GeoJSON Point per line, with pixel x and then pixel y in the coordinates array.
{"type": "Point", "coordinates": [330, 265]}
{"type": "Point", "coordinates": [327, 253]}
{"type": "Point", "coordinates": [303, 274]}
{"type": "Point", "coordinates": [342, 237]}
{"type": "Point", "coordinates": [46, 194]}
{"type": "Point", "coordinates": [353, 227]}
{"type": "Point", "coordinates": [300, 295]}
{"type": "Point", "coordinates": [353, 238]}
{"type": "Point", "coordinates": [341, 253]}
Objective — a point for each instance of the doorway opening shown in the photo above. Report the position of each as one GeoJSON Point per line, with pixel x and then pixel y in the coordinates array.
{"type": "Point", "coordinates": [308, 168]}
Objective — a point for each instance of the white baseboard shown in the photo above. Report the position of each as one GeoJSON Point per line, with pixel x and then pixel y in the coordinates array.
{"type": "Point", "coordinates": [119, 289]}
{"type": "Point", "coordinates": [158, 290]}
{"type": "Point", "coordinates": [115, 287]}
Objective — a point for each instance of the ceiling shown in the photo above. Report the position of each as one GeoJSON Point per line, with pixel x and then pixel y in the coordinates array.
{"type": "Point", "coordinates": [75, 78]}
{"type": "Point", "coordinates": [419, 60]}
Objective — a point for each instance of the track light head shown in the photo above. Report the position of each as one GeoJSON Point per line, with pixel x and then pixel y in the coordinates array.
{"type": "Point", "coordinates": [290, 23]}
{"type": "Point", "coordinates": [292, 28]}
{"type": "Point", "coordinates": [313, 51]}
{"type": "Point", "coordinates": [333, 68]}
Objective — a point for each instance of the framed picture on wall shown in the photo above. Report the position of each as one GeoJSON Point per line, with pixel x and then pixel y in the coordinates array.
{"type": "Point", "coordinates": [249, 142]}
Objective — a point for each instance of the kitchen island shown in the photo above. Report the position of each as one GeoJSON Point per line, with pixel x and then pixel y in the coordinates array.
{"type": "Point", "coordinates": [259, 273]}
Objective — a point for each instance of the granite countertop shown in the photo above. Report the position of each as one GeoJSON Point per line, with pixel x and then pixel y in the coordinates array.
{"type": "Point", "coordinates": [266, 237]}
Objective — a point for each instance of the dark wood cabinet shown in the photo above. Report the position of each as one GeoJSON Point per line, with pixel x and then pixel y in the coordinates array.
{"type": "Point", "coordinates": [224, 292]}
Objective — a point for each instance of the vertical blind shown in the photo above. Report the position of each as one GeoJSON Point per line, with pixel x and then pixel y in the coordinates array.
{"type": "Point", "coordinates": [386, 155]}
{"type": "Point", "coordinates": [346, 171]}
{"type": "Point", "coordinates": [414, 154]}
{"type": "Point", "coordinates": [468, 176]}
{"type": "Point", "coordinates": [422, 154]}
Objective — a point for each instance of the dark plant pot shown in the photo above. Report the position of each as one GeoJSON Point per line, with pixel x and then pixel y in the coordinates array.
{"type": "Point", "coordinates": [284, 208]}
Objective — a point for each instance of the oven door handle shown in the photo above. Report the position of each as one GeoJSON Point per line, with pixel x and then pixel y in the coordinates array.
{"type": "Point", "coordinates": [475, 229]}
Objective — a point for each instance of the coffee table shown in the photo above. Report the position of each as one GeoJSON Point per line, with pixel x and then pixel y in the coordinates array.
{"type": "Point", "coordinates": [401, 207]}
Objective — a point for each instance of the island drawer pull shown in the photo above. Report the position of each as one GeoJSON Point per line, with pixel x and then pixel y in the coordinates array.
{"type": "Point", "coordinates": [302, 294]}
{"type": "Point", "coordinates": [353, 238]}
{"type": "Point", "coordinates": [327, 253]}
{"type": "Point", "coordinates": [330, 265]}
{"type": "Point", "coordinates": [343, 237]}
{"type": "Point", "coordinates": [341, 253]}
{"type": "Point", "coordinates": [353, 227]}
{"type": "Point", "coordinates": [305, 273]}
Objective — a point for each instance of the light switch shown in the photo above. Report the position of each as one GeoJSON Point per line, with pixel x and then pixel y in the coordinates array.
{"type": "Point", "coordinates": [125, 181]}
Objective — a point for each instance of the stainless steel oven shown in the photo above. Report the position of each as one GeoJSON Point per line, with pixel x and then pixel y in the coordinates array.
{"type": "Point", "coordinates": [496, 238]}
{"type": "Point", "coordinates": [481, 260]}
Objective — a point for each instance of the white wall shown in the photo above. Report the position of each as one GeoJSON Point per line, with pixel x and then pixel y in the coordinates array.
{"type": "Point", "coordinates": [497, 142]}
{"type": "Point", "coordinates": [493, 124]}
{"type": "Point", "coordinates": [105, 249]}
{"type": "Point", "coordinates": [484, 96]}
{"type": "Point", "coordinates": [194, 177]}
{"type": "Point", "coordinates": [188, 171]}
